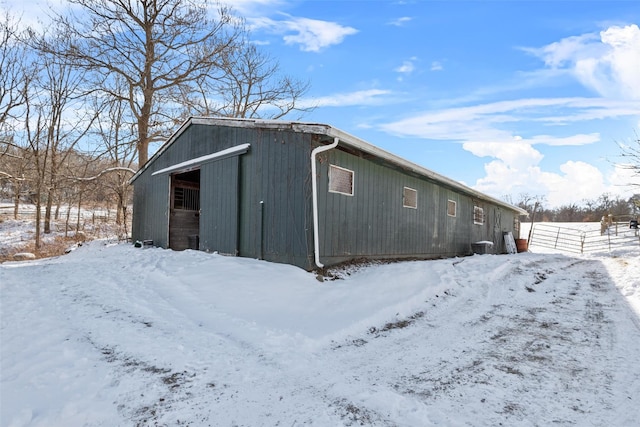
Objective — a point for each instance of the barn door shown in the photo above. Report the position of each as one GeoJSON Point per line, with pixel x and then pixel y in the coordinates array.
{"type": "Point", "coordinates": [184, 217]}
{"type": "Point", "coordinates": [220, 206]}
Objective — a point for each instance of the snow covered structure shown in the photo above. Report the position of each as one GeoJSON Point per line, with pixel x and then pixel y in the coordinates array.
{"type": "Point", "coordinates": [305, 194]}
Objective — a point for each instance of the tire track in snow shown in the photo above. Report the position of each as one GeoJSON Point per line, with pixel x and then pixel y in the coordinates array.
{"type": "Point", "coordinates": [531, 345]}
{"type": "Point", "coordinates": [247, 383]}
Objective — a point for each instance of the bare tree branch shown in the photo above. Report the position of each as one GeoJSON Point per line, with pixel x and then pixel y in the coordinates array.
{"type": "Point", "coordinates": [13, 74]}
{"type": "Point", "coordinates": [109, 170]}
{"type": "Point", "coordinates": [152, 45]}
{"type": "Point", "coordinates": [15, 178]}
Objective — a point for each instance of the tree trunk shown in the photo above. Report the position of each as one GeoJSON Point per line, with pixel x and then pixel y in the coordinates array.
{"type": "Point", "coordinates": [58, 202]}
{"type": "Point", "coordinates": [79, 208]}
{"type": "Point", "coordinates": [122, 201]}
{"type": "Point", "coordinates": [66, 222]}
{"type": "Point", "coordinates": [38, 243]}
{"type": "Point", "coordinates": [52, 187]}
{"type": "Point", "coordinates": [119, 210]}
{"type": "Point", "coordinates": [124, 221]}
{"type": "Point", "coordinates": [16, 203]}
{"type": "Point", "coordinates": [143, 134]}
{"type": "Point", "coordinates": [47, 212]}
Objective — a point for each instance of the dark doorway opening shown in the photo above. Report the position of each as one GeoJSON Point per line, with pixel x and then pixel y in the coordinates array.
{"type": "Point", "coordinates": [184, 218]}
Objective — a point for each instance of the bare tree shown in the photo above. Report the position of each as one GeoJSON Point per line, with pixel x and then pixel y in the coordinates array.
{"type": "Point", "coordinates": [155, 46]}
{"type": "Point", "coordinates": [118, 139]}
{"type": "Point", "coordinates": [250, 86]}
{"type": "Point", "coordinates": [35, 134]}
{"type": "Point", "coordinates": [530, 203]}
{"type": "Point", "coordinates": [15, 179]}
{"type": "Point", "coordinates": [78, 168]}
{"type": "Point", "coordinates": [630, 154]}
{"type": "Point", "coordinates": [13, 74]}
{"type": "Point", "coordinates": [67, 112]}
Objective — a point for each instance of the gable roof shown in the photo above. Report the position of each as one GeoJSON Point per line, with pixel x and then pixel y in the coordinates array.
{"type": "Point", "coordinates": [331, 132]}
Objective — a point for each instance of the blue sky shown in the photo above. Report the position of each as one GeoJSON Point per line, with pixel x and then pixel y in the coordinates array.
{"type": "Point", "coordinates": [508, 97]}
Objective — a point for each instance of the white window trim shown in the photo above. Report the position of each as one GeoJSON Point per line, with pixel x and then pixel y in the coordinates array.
{"type": "Point", "coordinates": [353, 181]}
{"type": "Point", "coordinates": [404, 204]}
{"type": "Point", "coordinates": [455, 208]}
{"type": "Point", "coordinates": [481, 209]}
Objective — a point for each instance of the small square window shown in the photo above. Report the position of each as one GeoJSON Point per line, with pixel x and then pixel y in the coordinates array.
{"type": "Point", "coordinates": [478, 215]}
{"type": "Point", "coordinates": [340, 180]}
{"type": "Point", "coordinates": [451, 207]}
{"type": "Point", "coordinates": [409, 198]}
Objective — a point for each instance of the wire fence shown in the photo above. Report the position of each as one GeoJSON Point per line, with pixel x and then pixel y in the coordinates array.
{"type": "Point", "coordinates": [100, 222]}
{"type": "Point", "coordinates": [64, 213]}
{"type": "Point", "coordinates": [573, 240]}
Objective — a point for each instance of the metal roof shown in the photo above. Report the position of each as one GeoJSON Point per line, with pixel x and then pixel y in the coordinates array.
{"type": "Point", "coordinates": [345, 140]}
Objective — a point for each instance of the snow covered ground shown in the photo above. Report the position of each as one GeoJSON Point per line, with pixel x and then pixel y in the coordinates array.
{"type": "Point", "coordinates": [112, 335]}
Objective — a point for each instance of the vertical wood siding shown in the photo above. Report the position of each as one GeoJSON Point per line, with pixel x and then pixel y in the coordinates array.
{"type": "Point", "coordinates": [151, 209]}
{"type": "Point", "coordinates": [219, 184]}
{"type": "Point", "coordinates": [276, 173]}
{"type": "Point", "coordinates": [373, 223]}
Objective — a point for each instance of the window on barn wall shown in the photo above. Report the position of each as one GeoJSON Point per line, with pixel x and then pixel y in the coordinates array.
{"type": "Point", "coordinates": [451, 207]}
{"type": "Point", "coordinates": [516, 226]}
{"type": "Point", "coordinates": [409, 198]}
{"type": "Point", "coordinates": [340, 180]}
{"type": "Point", "coordinates": [478, 215]}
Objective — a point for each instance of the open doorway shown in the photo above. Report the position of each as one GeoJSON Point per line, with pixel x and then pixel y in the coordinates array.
{"type": "Point", "coordinates": [184, 218]}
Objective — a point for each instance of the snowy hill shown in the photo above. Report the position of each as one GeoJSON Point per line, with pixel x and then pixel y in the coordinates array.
{"type": "Point", "coordinates": [112, 335]}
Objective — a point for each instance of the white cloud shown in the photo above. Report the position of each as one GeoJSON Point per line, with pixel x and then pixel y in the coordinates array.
{"type": "Point", "coordinates": [502, 179]}
{"type": "Point", "coordinates": [578, 139]}
{"type": "Point", "coordinates": [607, 62]}
{"type": "Point", "coordinates": [626, 177]}
{"type": "Point", "coordinates": [517, 155]}
{"type": "Point", "coordinates": [516, 170]}
{"type": "Point", "coordinates": [362, 97]}
{"type": "Point", "coordinates": [311, 35]}
{"type": "Point", "coordinates": [407, 67]}
{"type": "Point", "coordinates": [567, 50]}
{"type": "Point", "coordinates": [576, 182]}
{"type": "Point", "coordinates": [489, 122]}
{"type": "Point", "coordinates": [400, 21]}
{"type": "Point", "coordinates": [436, 66]}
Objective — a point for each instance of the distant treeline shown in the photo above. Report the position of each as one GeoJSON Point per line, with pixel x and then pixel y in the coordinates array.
{"type": "Point", "coordinates": [587, 211]}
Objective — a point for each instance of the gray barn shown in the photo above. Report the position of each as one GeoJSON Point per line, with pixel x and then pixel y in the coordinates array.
{"type": "Point", "coordinates": [305, 194]}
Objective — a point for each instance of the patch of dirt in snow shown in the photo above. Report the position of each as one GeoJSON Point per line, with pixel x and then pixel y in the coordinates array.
{"type": "Point", "coordinates": [176, 387]}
